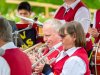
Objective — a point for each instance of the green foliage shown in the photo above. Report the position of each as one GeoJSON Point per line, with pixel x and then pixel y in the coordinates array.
{"type": "Point", "coordinates": [41, 9]}
{"type": "Point", "coordinates": [94, 4]}
{"type": "Point", "coordinates": [5, 7]}
{"type": "Point", "coordinates": [58, 2]}
{"type": "Point", "coordinates": [9, 10]}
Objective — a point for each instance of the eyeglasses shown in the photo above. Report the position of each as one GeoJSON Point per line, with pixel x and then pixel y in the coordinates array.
{"type": "Point", "coordinates": [63, 35]}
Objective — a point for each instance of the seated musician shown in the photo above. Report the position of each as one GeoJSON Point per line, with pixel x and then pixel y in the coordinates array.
{"type": "Point", "coordinates": [28, 36]}
{"type": "Point", "coordinates": [73, 60]}
{"type": "Point", "coordinates": [18, 61]}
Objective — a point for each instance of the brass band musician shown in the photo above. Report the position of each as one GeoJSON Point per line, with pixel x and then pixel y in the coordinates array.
{"type": "Point", "coordinates": [52, 39]}
{"type": "Point", "coordinates": [73, 60]}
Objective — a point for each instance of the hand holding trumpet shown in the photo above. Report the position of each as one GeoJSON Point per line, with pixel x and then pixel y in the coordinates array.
{"type": "Point", "coordinates": [37, 57]}
{"type": "Point", "coordinates": [39, 68]}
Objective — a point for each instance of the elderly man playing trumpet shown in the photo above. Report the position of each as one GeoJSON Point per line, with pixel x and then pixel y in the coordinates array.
{"type": "Point", "coordinates": [52, 39]}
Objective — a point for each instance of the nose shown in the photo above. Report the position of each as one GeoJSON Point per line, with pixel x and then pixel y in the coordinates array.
{"type": "Point", "coordinates": [23, 15]}
{"type": "Point", "coordinates": [45, 39]}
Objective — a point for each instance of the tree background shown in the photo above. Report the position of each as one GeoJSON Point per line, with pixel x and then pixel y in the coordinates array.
{"type": "Point", "coordinates": [7, 9]}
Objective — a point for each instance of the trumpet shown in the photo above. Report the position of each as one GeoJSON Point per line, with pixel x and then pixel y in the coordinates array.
{"type": "Point", "coordinates": [43, 57]}
{"type": "Point", "coordinates": [37, 52]}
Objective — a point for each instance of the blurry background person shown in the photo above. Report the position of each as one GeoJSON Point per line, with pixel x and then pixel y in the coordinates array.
{"type": "Point", "coordinates": [18, 61]}
{"type": "Point", "coordinates": [4, 67]}
{"type": "Point", "coordinates": [73, 60]}
{"type": "Point", "coordinates": [28, 36]}
{"type": "Point", "coordinates": [76, 10]}
{"type": "Point", "coordinates": [95, 30]}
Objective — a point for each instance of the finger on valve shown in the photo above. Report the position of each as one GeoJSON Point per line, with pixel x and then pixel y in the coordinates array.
{"type": "Point", "coordinates": [39, 68]}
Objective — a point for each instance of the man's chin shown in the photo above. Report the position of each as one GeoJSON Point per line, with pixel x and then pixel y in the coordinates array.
{"type": "Point", "coordinates": [49, 46]}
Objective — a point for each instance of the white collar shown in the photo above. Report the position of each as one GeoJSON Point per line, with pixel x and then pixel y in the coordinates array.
{"type": "Point", "coordinates": [56, 46]}
{"type": "Point", "coordinates": [8, 45]}
{"type": "Point", "coordinates": [70, 51]}
{"type": "Point", "coordinates": [73, 5]}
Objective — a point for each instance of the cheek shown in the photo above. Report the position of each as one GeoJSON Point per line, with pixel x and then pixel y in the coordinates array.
{"type": "Point", "coordinates": [67, 42]}
{"type": "Point", "coordinates": [51, 42]}
{"type": "Point", "coordinates": [27, 15]}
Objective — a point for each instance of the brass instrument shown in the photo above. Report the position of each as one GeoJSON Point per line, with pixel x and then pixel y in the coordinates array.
{"type": "Point", "coordinates": [43, 57]}
{"type": "Point", "coordinates": [35, 52]}
{"type": "Point", "coordinates": [33, 47]}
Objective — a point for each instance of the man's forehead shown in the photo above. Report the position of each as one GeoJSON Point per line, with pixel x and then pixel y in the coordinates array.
{"type": "Point", "coordinates": [48, 27]}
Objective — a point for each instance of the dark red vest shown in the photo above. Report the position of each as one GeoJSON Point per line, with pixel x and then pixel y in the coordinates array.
{"type": "Point", "coordinates": [18, 61]}
{"type": "Point", "coordinates": [57, 67]}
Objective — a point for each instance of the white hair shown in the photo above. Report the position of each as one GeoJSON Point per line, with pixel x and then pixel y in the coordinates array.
{"type": "Point", "coordinates": [54, 23]}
